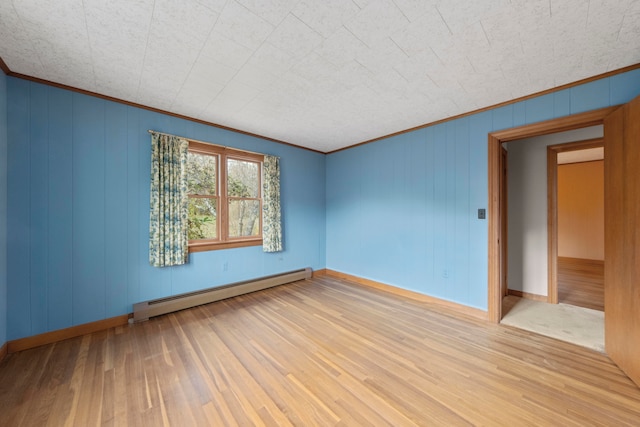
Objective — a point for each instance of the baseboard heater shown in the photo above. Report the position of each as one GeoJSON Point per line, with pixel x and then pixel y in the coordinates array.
{"type": "Point", "coordinates": [146, 309]}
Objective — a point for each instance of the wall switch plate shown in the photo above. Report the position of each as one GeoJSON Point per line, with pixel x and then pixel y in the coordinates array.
{"type": "Point", "coordinates": [482, 213]}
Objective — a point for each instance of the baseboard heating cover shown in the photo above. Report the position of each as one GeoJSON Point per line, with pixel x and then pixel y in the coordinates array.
{"type": "Point", "coordinates": [146, 309]}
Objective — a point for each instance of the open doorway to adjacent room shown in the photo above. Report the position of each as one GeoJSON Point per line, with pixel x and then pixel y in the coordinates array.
{"type": "Point", "coordinates": [578, 192]}
{"type": "Point", "coordinates": [553, 235]}
{"type": "Point", "coordinates": [622, 198]}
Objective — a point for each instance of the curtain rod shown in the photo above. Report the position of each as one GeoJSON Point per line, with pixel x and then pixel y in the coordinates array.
{"type": "Point", "coordinates": [205, 142]}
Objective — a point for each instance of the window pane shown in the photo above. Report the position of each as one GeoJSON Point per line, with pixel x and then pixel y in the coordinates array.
{"type": "Point", "coordinates": [242, 178]}
{"type": "Point", "coordinates": [201, 174]}
{"type": "Point", "coordinates": [244, 218]}
{"type": "Point", "coordinates": [202, 218]}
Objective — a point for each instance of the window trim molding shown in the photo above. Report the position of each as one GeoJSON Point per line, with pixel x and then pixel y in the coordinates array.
{"type": "Point", "coordinates": [223, 241]}
{"type": "Point", "coordinates": [204, 246]}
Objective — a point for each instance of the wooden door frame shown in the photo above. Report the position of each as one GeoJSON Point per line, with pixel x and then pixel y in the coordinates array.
{"type": "Point", "coordinates": [552, 208]}
{"type": "Point", "coordinates": [495, 140]}
{"type": "Point", "coordinates": [504, 215]}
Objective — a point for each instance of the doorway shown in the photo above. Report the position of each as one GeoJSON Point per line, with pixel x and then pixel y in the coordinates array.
{"type": "Point", "coordinates": [622, 216]}
{"type": "Point", "coordinates": [533, 237]}
{"type": "Point", "coordinates": [575, 174]}
{"type": "Point", "coordinates": [529, 210]}
{"type": "Point", "coordinates": [495, 141]}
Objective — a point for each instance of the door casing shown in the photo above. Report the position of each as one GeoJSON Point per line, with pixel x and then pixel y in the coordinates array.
{"type": "Point", "coordinates": [495, 140]}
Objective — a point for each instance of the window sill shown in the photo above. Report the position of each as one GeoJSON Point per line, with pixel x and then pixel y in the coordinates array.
{"type": "Point", "coordinates": [209, 246]}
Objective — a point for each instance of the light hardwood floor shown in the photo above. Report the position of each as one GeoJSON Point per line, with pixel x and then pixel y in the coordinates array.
{"type": "Point", "coordinates": [581, 282]}
{"type": "Point", "coordinates": [321, 352]}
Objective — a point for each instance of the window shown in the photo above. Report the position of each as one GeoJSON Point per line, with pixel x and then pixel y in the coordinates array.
{"type": "Point", "coordinates": [225, 197]}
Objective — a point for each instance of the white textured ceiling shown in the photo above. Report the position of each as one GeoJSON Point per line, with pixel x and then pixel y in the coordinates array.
{"type": "Point", "coordinates": [322, 74]}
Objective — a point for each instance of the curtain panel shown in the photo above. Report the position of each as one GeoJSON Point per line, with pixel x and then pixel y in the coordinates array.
{"type": "Point", "coordinates": [271, 221]}
{"type": "Point", "coordinates": [168, 222]}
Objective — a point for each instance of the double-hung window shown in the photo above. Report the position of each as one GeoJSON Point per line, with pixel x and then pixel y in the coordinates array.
{"type": "Point", "coordinates": [225, 197]}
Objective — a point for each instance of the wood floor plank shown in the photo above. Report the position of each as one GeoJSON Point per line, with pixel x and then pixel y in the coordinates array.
{"type": "Point", "coordinates": [581, 282]}
{"type": "Point", "coordinates": [322, 352]}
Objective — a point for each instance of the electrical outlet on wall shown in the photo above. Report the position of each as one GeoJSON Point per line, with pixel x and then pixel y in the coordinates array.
{"type": "Point", "coordinates": [445, 273]}
{"type": "Point", "coordinates": [225, 266]}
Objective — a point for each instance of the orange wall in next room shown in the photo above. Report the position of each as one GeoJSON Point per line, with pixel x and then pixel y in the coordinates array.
{"type": "Point", "coordinates": [581, 210]}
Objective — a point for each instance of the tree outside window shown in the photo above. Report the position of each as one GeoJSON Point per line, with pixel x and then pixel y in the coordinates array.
{"type": "Point", "coordinates": [225, 200]}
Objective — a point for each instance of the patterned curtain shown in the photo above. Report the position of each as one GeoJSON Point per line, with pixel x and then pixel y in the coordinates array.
{"type": "Point", "coordinates": [271, 226]}
{"type": "Point", "coordinates": [168, 244]}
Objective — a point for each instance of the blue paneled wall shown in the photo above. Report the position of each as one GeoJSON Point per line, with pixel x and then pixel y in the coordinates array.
{"type": "Point", "coordinates": [3, 209]}
{"type": "Point", "coordinates": [403, 210]}
{"type": "Point", "coordinates": [78, 210]}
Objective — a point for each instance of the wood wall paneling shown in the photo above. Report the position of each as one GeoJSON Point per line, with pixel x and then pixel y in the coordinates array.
{"type": "Point", "coordinates": [3, 212]}
{"type": "Point", "coordinates": [116, 207]}
{"type": "Point", "coordinates": [78, 197]}
{"type": "Point", "coordinates": [479, 126]}
{"type": "Point", "coordinates": [135, 212]}
{"type": "Point", "coordinates": [406, 213]}
{"type": "Point", "coordinates": [88, 255]}
{"type": "Point", "coordinates": [18, 212]}
{"type": "Point", "coordinates": [60, 219]}
{"type": "Point", "coordinates": [68, 279]}
{"type": "Point", "coordinates": [38, 205]}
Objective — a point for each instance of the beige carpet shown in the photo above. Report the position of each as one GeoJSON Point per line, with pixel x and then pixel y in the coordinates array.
{"type": "Point", "coordinates": [577, 325]}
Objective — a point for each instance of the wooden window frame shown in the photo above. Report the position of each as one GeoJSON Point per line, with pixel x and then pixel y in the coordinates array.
{"type": "Point", "coordinates": [222, 221]}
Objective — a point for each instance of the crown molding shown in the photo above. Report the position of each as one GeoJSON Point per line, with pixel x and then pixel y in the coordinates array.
{"type": "Point", "coordinates": [502, 104]}
{"type": "Point", "coordinates": [4, 67]}
{"type": "Point", "coordinates": [622, 70]}
{"type": "Point", "coordinates": [10, 73]}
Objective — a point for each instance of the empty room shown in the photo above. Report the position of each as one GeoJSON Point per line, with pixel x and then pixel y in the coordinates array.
{"type": "Point", "coordinates": [315, 213]}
